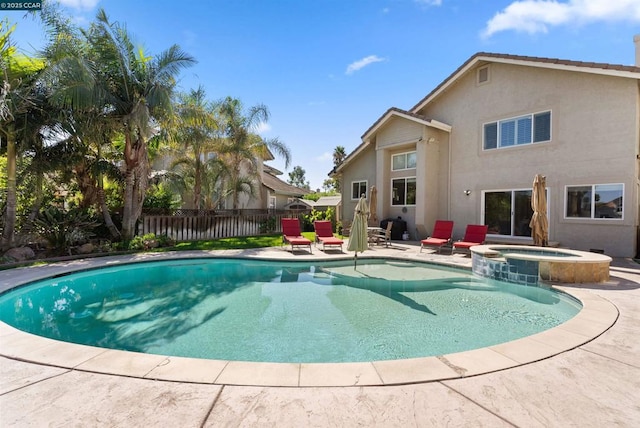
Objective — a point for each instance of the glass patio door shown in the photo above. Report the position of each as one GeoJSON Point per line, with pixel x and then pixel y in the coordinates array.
{"type": "Point", "coordinates": [508, 212]}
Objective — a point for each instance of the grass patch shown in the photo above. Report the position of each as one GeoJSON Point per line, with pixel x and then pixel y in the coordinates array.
{"type": "Point", "coordinates": [235, 243]}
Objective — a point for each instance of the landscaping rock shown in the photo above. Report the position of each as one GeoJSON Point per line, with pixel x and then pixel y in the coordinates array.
{"type": "Point", "coordinates": [86, 248]}
{"type": "Point", "coordinates": [20, 254]}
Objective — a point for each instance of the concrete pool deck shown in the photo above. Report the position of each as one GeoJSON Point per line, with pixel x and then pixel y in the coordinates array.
{"type": "Point", "coordinates": [567, 378]}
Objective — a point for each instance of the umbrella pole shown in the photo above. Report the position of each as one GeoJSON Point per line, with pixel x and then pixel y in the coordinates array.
{"type": "Point", "coordinates": [355, 260]}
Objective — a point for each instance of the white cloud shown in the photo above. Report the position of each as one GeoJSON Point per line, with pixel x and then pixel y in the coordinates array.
{"type": "Point", "coordinates": [262, 128]}
{"type": "Point", "coordinates": [326, 156]}
{"type": "Point", "coordinates": [429, 2]}
{"type": "Point", "coordinates": [535, 16]}
{"type": "Point", "coordinates": [79, 4]}
{"type": "Point", "coordinates": [357, 65]}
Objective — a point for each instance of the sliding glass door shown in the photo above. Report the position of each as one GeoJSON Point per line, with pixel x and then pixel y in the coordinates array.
{"type": "Point", "coordinates": [508, 212]}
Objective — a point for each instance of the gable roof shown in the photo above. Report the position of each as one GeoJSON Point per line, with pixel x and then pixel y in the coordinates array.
{"type": "Point", "coordinates": [388, 115]}
{"type": "Point", "coordinates": [328, 201]}
{"type": "Point", "coordinates": [280, 187]}
{"type": "Point", "coordinates": [396, 112]}
{"type": "Point", "coordinates": [601, 68]}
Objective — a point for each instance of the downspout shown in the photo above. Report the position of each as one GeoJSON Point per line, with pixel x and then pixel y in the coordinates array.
{"type": "Point", "coordinates": [449, 178]}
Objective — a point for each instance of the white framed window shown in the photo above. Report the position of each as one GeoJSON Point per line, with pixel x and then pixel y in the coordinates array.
{"type": "Point", "coordinates": [516, 131]}
{"type": "Point", "coordinates": [403, 191]}
{"type": "Point", "coordinates": [272, 202]}
{"type": "Point", "coordinates": [403, 161]}
{"type": "Point", "coordinates": [595, 201]}
{"type": "Point", "coordinates": [358, 188]}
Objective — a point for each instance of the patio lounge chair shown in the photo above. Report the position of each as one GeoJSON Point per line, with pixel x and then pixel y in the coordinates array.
{"type": "Point", "coordinates": [291, 234]}
{"type": "Point", "coordinates": [441, 236]}
{"type": "Point", "coordinates": [475, 234]}
{"type": "Point", "coordinates": [324, 234]}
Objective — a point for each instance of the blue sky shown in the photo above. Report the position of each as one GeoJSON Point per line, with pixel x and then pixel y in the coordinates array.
{"type": "Point", "coordinates": [328, 69]}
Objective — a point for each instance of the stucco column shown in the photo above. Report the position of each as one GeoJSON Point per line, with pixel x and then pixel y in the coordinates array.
{"type": "Point", "coordinates": [382, 184]}
{"type": "Point", "coordinates": [421, 188]}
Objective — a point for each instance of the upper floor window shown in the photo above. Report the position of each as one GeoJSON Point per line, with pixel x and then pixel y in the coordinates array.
{"type": "Point", "coordinates": [532, 128]}
{"type": "Point", "coordinates": [403, 191]}
{"type": "Point", "coordinates": [403, 161]}
{"type": "Point", "coordinates": [595, 201]}
{"type": "Point", "coordinates": [358, 188]}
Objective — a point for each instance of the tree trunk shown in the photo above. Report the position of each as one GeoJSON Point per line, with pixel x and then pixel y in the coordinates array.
{"type": "Point", "coordinates": [106, 215]}
{"type": "Point", "coordinates": [197, 186]}
{"type": "Point", "coordinates": [8, 234]}
{"type": "Point", "coordinates": [35, 209]}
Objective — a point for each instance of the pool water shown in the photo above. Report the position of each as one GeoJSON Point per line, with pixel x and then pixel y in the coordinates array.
{"type": "Point", "coordinates": [252, 310]}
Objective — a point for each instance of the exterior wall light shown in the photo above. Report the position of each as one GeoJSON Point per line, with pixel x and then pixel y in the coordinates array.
{"type": "Point", "coordinates": [467, 192]}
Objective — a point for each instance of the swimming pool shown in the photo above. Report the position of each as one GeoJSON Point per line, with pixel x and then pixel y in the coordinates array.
{"type": "Point", "coordinates": [284, 311]}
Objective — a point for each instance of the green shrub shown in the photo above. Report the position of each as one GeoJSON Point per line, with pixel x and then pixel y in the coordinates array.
{"type": "Point", "coordinates": [268, 225]}
{"type": "Point", "coordinates": [63, 229]}
{"type": "Point", "coordinates": [149, 241]}
{"type": "Point", "coordinates": [308, 219]}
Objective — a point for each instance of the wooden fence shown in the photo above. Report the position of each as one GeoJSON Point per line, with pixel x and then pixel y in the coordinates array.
{"type": "Point", "coordinates": [213, 225]}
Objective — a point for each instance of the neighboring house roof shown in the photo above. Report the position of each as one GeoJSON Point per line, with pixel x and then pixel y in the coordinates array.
{"type": "Point", "coordinates": [328, 201]}
{"type": "Point", "coordinates": [280, 187]}
{"type": "Point", "coordinates": [271, 170]}
{"type": "Point", "coordinates": [617, 70]}
{"type": "Point", "coordinates": [299, 204]}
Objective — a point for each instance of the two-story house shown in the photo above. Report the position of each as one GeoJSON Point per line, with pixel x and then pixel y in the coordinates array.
{"type": "Point", "coordinates": [469, 150]}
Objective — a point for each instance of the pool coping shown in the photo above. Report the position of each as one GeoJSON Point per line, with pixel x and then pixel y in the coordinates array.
{"type": "Point", "coordinates": [596, 317]}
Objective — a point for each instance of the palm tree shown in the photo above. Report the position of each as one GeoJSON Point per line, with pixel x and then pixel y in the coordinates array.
{"type": "Point", "coordinates": [131, 89]}
{"type": "Point", "coordinates": [193, 137]}
{"type": "Point", "coordinates": [242, 147]}
{"type": "Point", "coordinates": [339, 154]}
{"type": "Point", "coordinates": [19, 99]}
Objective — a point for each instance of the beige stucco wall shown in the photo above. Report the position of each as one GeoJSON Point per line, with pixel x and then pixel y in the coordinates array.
{"type": "Point", "coordinates": [401, 135]}
{"type": "Point", "coordinates": [362, 168]}
{"type": "Point", "coordinates": [594, 141]}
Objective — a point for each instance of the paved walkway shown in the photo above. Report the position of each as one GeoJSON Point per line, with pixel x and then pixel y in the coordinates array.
{"type": "Point", "coordinates": [595, 384]}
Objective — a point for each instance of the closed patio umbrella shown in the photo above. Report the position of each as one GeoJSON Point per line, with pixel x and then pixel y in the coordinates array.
{"type": "Point", "coordinates": [358, 238]}
{"type": "Point", "coordinates": [373, 201]}
{"type": "Point", "coordinates": [539, 223]}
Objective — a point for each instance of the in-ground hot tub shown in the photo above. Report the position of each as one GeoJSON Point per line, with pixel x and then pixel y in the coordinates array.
{"type": "Point", "coordinates": [526, 265]}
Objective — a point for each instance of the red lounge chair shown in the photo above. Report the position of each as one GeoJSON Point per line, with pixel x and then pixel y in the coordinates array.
{"type": "Point", "coordinates": [475, 234]}
{"type": "Point", "coordinates": [291, 234]}
{"type": "Point", "coordinates": [442, 231]}
{"type": "Point", "coordinates": [324, 234]}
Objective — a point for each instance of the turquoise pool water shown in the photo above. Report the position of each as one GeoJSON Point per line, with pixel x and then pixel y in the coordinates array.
{"type": "Point", "coordinates": [251, 310]}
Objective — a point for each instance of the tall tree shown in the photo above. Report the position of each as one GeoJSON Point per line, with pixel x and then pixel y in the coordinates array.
{"type": "Point", "coordinates": [19, 98]}
{"type": "Point", "coordinates": [194, 137]}
{"type": "Point", "coordinates": [242, 148]}
{"type": "Point", "coordinates": [132, 89]}
{"type": "Point", "coordinates": [297, 178]}
{"type": "Point", "coordinates": [339, 154]}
